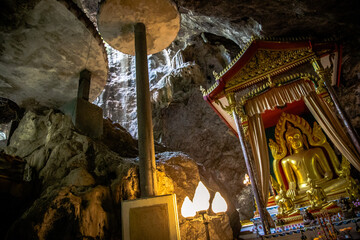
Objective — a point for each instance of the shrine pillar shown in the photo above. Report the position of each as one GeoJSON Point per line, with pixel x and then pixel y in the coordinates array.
{"type": "Point", "coordinates": [249, 165]}
{"type": "Point", "coordinates": [323, 74]}
{"type": "Point", "coordinates": [279, 79]}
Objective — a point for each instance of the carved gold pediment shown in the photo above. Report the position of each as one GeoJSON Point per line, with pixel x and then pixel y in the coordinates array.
{"type": "Point", "coordinates": [265, 62]}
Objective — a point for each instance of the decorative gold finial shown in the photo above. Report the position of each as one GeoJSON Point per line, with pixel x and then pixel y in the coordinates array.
{"type": "Point", "coordinates": [215, 74]}
{"type": "Point", "coordinates": [203, 90]}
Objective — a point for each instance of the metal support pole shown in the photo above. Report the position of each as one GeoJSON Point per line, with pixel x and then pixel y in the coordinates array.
{"type": "Point", "coordinates": [207, 230]}
{"type": "Point", "coordinates": [145, 131]}
{"type": "Point", "coordinates": [206, 224]}
{"type": "Point", "coordinates": [250, 169]}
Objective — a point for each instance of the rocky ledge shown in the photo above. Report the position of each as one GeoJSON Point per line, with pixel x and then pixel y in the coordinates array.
{"type": "Point", "coordinates": [78, 183]}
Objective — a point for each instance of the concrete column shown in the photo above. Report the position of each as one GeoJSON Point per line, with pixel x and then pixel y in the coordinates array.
{"type": "Point", "coordinates": [84, 85]}
{"type": "Point", "coordinates": [145, 130]}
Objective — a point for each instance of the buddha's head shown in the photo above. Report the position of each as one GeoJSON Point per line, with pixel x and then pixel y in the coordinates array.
{"type": "Point", "coordinates": [294, 137]}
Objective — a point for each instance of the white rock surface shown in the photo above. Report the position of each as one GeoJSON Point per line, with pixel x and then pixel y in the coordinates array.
{"type": "Point", "coordinates": [41, 59]}
{"type": "Point", "coordinates": [116, 20]}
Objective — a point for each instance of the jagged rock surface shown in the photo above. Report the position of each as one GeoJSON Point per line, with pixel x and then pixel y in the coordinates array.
{"type": "Point", "coordinates": [83, 182]}
{"type": "Point", "coordinates": [211, 33]}
{"type": "Point", "coordinates": [181, 118]}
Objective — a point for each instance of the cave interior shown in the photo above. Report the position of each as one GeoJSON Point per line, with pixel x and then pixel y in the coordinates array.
{"type": "Point", "coordinates": [69, 152]}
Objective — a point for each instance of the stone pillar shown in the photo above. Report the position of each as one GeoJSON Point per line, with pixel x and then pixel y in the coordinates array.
{"type": "Point", "coordinates": [145, 130]}
{"type": "Point", "coordinates": [84, 85]}
{"type": "Point", "coordinates": [87, 117]}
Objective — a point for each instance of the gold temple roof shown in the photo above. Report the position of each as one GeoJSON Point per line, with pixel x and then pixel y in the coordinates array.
{"type": "Point", "coordinates": [262, 58]}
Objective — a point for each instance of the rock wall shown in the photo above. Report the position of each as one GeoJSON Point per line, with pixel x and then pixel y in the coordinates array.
{"type": "Point", "coordinates": [182, 120]}
{"type": "Point", "coordinates": [78, 174]}
{"type": "Point", "coordinates": [211, 34]}
{"type": "Point", "coordinates": [82, 182]}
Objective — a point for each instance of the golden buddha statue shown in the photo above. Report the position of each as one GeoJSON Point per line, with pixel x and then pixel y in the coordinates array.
{"type": "Point", "coordinates": [317, 196]}
{"type": "Point", "coordinates": [302, 155]}
{"type": "Point", "coordinates": [302, 163]}
{"type": "Point", "coordinates": [352, 188]}
{"type": "Point", "coordinates": [286, 206]}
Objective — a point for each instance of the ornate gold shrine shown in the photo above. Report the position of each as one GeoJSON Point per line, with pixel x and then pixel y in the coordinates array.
{"type": "Point", "coordinates": [304, 161]}
{"type": "Point", "coordinates": [277, 89]}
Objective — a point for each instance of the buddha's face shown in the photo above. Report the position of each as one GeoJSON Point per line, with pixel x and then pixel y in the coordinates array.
{"type": "Point", "coordinates": [294, 138]}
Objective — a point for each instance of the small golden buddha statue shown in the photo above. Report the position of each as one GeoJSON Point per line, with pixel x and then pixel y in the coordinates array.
{"type": "Point", "coordinates": [317, 196]}
{"type": "Point", "coordinates": [352, 187]}
{"type": "Point", "coordinates": [302, 155]}
{"type": "Point", "coordinates": [286, 206]}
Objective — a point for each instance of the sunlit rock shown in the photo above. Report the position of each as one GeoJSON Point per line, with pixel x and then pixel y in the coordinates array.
{"type": "Point", "coordinates": [82, 182]}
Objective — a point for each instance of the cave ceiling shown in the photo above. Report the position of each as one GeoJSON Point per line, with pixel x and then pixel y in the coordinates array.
{"type": "Point", "coordinates": [44, 45]}
{"type": "Point", "coordinates": [229, 23]}
{"type": "Point", "coordinates": [282, 17]}
{"type": "Point", "coordinates": [239, 20]}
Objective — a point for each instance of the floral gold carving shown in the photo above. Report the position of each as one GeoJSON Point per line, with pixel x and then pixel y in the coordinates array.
{"type": "Point", "coordinates": [266, 61]}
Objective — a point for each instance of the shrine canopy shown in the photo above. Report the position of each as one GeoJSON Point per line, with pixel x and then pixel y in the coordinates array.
{"type": "Point", "coordinates": [265, 63]}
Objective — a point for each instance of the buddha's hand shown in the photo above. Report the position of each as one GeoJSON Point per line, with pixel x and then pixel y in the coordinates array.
{"type": "Point", "coordinates": [274, 147]}
{"type": "Point", "coordinates": [291, 192]}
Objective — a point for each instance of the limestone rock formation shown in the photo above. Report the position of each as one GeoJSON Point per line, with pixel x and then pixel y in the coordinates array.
{"type": "Point", "coordinates": [211, 33]}
{"type": "Point", "coordinates": [181, 118]}
{"type": "Point", "coordinates": [118, 139]}
{"type": "Point", "coordinates": [82, 182]}
{"type": "Point", "coordinates": [44, 49]}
